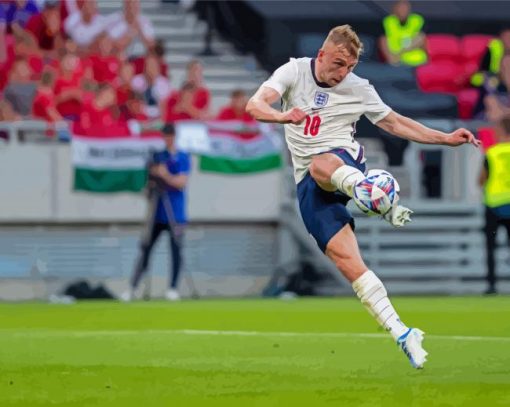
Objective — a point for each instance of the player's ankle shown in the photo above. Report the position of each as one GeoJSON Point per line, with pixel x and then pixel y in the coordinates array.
{"type": "Point", "coordinates": [345, 178]}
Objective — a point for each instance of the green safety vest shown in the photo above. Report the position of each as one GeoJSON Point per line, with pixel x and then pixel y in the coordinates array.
{"type": "Point", "coordinates": [496, 51]}
{"type": "Point", "coordinates": [399, 35]}
{"type": "Point", "coordinates": [497, 188]}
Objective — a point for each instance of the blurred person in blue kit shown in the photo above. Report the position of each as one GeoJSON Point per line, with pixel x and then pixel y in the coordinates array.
{"type": "Point", "coordinates": [495, 178]}
{"type": "Point", "coordinates": [168, 177]}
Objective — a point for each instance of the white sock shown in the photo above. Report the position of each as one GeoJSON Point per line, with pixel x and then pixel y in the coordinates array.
{"type": "Point", "coordinates": [374, 297]}
{"type": "Point", "coordinates": [345, 178]}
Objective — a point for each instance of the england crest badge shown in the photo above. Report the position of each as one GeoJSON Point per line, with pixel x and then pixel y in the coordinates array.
{"type": "Point", "coordinates": [320, 99]}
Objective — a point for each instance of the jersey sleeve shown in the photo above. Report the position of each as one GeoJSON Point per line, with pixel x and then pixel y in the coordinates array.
{"type": "Point", "coordinates": [375, 108]}
{"type": "Point", "coordinates": [283, 78]}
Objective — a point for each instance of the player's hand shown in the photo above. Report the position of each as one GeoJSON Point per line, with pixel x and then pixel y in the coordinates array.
{"type": "Point", "coordinates": [398, 216]}
{"type": "Point", "coordinates": [462, 136]}
{"type": "Point", "coordinates": [294, 116]}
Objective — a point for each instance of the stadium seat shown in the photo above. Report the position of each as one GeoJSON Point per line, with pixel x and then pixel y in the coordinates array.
{"type": "Point", "coordinates": [487, 135]}
{"type": "Point", "coordinates": [473, 47]}
{"type": "Point", "coordinates": [443, 47]}
{"type": "Point", "coordinates": [466, 100]}
{"type": "Point", "coordinates": [415, 103]}
{"type": "Point", "coordinates": [443, 76]}
{"type": "Point", "coordinates": [380, 74]}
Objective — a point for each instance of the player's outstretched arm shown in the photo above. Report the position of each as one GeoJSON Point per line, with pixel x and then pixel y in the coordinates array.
{"type": "Point", "coordinates": [409, 129]}
{"type": "Point", "coordinates": [259, 106]}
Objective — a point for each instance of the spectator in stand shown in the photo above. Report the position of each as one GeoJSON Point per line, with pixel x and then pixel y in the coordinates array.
{"type": "Point", "coordinates": [154, 87]}
{"type": "Point", "coordinates": [494, 100]}
{"type": "Point", "coordinates": [20, 90]}
{"type": "Point", "coordinates": [132, 32]}
{"type": "Point", "coordinates": [491, 62]}
{"type": "Point", "coordinates": [99, 116]}
{"type": "Point", "coordinates": [3, 38]}
{"type": "Point", "coordinates": [195, 75]}
{"type": "Point", "coordinates": [159, 52]}
{"type": "Point", "coordinates": [122, 83]}
{"type": "Point", "coordinates": [7, 114]}
{"type": "Point", "coordinates": [68, 91]}
{"type": "Point", "coordinates": [105, 64]}
{"type": "Point", "coordinates": [199, 107]}
{"type": "Point", "coordinates": [25, 47]}
{"type": "Point", "coordinates": [44, 106]}
{"type": "Point", "coordinates": [45, 28]}
{"type": "Point", "coordinates": [236, 110]}
{"type": "Point", "coordinates": [404, 41]}
{"type": "Point", "coordinates": [495, 179]}
{"type": "Point", "coordinates": [135, 108]}
{"type": "Point", "coordinates": [84, 25]}
{"type": "Point", "coordinates": [84, 69]}
{"type": "Point", "coordinates": [184, 109]}
{"type": "Point", "coordinates": [18, 13]}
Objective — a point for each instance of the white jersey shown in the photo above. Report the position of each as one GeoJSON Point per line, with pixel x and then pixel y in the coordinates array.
{"type": "Point", "coordinates": [333, 111]}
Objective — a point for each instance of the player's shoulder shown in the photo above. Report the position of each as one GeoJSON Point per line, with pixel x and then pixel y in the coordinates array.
{"type": "Point", "coordinates": [296, 63]}
{"type": "Point", "coordinates": [354, 80]}
{"type": "Point", "coordinates": [301, 61]}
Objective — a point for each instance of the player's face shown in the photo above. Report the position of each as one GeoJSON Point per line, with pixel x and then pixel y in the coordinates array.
{"type": "Point", "coordinates": [335, 63]}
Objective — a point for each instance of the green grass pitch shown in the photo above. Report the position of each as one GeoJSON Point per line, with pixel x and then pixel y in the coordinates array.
{"type": "Point", "coordinates": [258, 352]}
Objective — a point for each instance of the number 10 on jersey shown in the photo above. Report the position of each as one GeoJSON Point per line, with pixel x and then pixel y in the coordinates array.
{"type": "Point", "coordinates": [312, 125]}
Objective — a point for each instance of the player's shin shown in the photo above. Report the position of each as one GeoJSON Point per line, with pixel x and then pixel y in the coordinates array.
{"type": "Point", "coordinates": [370, 290]}
{"type": "Point", "coordinates": [345, 179]}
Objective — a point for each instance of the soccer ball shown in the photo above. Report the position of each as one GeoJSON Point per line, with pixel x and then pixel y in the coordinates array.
{"type": "Point", "coordinates": [377, 193]}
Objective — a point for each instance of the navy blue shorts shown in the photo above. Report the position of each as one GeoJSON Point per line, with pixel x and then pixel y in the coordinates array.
{"type": "Point", "coordinates": [325, 213]}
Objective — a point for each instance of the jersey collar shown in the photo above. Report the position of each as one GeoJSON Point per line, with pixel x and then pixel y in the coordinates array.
{"type": "Point", "coordinates": [317, 82]}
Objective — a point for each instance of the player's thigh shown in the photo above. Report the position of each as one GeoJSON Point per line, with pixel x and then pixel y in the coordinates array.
{"type": "Point", "coordinates": [344, 251]}
{"type": "Point", "coordinates": [322, 168]}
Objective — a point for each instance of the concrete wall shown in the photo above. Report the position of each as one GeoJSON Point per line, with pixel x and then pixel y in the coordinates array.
{"type": "Point", "coordinates": [36, 186]}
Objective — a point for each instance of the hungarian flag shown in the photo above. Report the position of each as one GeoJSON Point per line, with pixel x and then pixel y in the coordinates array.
{"type": "Point", "coordinates": [106, 163]}
{"type": "Point", "coordinates": [236, 147]}
{"type": "Point", "coordinates": [112, 164]}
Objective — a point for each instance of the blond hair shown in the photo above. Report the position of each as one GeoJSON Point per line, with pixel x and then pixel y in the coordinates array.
{"type": "Point", "coordinates": [345, 35]}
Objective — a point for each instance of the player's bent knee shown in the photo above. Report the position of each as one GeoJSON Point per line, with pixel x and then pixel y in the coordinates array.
{"type": "Point", "coordinates": [323, 166]}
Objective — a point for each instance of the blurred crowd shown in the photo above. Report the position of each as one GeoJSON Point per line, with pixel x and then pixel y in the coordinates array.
{"type": "Point", "coordinates": [62, 60]}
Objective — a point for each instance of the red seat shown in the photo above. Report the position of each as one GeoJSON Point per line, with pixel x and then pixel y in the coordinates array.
{"type": "Point", "coordinates": [487, 135]}
{"type": "Point", "coordinates": [466, 101]}
{"type": "Point", "coordinates": [473, 47]}
{"type": "Point", "coordinates": [443, 47]}
{"type": "Point", "coordinates": [443, 76]}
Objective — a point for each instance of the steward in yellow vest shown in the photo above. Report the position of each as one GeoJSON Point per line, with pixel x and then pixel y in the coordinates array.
{"type": "Point", "coordinates": [491, 62]}
{"type": "Point", "coordinates": [404, 40]}
{"type": "Point", "coordinates": [495, 177]}
{"type": "Point", "coordinates": [497, 187]}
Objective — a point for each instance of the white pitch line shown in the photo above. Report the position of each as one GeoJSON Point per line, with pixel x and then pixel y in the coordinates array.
{"type": "Point", "coordinates": [354, 335]}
